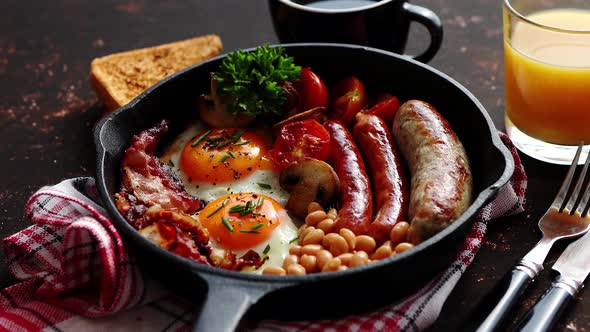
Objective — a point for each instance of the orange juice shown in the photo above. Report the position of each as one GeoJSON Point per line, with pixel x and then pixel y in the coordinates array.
{"type": "Point", "coordinates": [548, 76]}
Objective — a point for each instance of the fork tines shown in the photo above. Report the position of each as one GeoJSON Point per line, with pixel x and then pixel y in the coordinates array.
{"type": "Point", "coordinates": [570, 202]}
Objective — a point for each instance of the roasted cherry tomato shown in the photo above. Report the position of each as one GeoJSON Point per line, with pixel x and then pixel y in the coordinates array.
{"type": "Point", "coordinates": [347, 99]}
{"type": "Point", "coordinates": [297, 140]}
{"type": "Point", "coordinates": [312, 90]}
{"type": "Point", "coordinates": [385, 108]}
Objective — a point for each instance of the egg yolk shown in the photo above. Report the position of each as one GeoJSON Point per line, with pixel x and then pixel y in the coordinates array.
{"type": "Point", "coordinates": [223, 155]}
{"type": "Point", "coordinates": [241, 221]}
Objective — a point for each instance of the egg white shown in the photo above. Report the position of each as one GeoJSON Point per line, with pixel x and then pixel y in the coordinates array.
{"type": "Point", "coordinates": [282, 236]}
{"type": "Point", "coordinates": [279, 243]}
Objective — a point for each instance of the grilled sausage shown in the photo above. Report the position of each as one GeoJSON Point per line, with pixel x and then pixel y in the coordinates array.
{"type": "Point", "coordinates": [441, 181]}
{"type": "Point", "coordinates": [386, 171]}
{"type": "Point", "coordinates": [356, 202]}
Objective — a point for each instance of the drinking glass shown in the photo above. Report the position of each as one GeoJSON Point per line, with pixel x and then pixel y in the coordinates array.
{"type": "Point", "coordinates": [547, 76]}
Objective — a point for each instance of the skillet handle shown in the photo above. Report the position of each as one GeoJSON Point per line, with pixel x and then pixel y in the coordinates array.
{"type": "Point", "coordinates": [227, 301]}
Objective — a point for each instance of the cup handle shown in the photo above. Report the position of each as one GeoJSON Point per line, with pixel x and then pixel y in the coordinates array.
{"type": "Point", "coordinates": [433, 23]}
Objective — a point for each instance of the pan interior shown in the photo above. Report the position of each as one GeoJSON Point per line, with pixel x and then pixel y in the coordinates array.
{"type": "Point", "coordinates": [175, 98]}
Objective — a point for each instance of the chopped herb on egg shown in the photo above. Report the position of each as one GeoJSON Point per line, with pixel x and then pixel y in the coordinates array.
{"type": "Point", "coordinates": [231, 154]}
{"type": "Point", "coordinates": [171, 163]}
{"type": "Point", "coordinates": [218, 142]}
{"type": "Point", "coordinates": [224, 158]}
{"type": "Point", "coordinates": [201, 138]}
{"type": "Point", "coordinates": [243, 142]}
{"type": "Point", "coordinates": [250, 231]}
{"type": "Point", "coordinates": [247, 211]}
{"type": "Point", "coordinates": [248, 208]}
{"type": "Point", "coordinates": [294, 239]}
{"type": "Point", "coordinates": [218, 208]}
{"type": "Point", "coordinates": [227, 224]}
{"type": "Point", "coordinates": [223, 144]}
{"type": "Point", "coordinates": [266, 249]}
{"type": "Point", "coordinates": [236, 208]}
{"type": "Point", "coordinates": [237, 135]}
{"type": "Point", "coordinates": [257, 226]}
{"type": "Point", "coordinates": [264, 185]}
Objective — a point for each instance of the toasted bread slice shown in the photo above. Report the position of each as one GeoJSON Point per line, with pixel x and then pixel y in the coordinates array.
{"type": "Point", "coordinates": [120, 77]}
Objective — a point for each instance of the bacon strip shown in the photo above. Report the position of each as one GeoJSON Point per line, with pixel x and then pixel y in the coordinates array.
{"type": "Point", "coordinates": [151, 181]}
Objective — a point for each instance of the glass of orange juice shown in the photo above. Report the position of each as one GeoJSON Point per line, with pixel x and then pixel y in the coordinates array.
{"type": "Point", "coordinates": [547, 76]}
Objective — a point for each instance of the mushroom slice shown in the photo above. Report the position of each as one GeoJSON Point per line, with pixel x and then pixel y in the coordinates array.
{"type": "Point", "coordinates": [316, 113]}
{"type": "Point", "coordinates": [213, 110]}
{"type": "Point", "coordinates": [309, 180]}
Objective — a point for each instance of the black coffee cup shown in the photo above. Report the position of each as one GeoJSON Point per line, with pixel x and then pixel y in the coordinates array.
{"type": "Point", "coordinates": [382, 24]}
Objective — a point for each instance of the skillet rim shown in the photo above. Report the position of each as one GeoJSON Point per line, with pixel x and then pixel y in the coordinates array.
{"type": "Point", "coordinates": [484, 196]}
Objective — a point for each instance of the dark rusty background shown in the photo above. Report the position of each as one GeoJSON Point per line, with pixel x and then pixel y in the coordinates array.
{"type": "Point", "coordinates": [47, 108]}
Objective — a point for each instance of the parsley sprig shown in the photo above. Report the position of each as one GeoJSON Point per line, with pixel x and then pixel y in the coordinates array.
{"type": "Point", "coordinates": [253, 80]}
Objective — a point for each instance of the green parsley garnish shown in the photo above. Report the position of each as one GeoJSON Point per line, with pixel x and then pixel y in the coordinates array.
{"type": "Point", "coordinates": [253, 80]}
{"type": "Point", "coordinates": [266, 249]}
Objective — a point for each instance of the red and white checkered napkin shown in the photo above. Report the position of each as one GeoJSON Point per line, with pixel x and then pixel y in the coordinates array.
{"type": "Point", "coordinates": [76, 274]}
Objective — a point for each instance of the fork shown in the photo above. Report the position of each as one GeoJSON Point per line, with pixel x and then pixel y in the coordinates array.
{"type": "Point", "coordinates": [554, 227]}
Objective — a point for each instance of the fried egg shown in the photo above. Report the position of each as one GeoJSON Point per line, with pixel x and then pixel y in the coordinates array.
{"type": "Point", "coordinates": [227, 168]}
{"type": "Point", "coordinates": [250, 221]}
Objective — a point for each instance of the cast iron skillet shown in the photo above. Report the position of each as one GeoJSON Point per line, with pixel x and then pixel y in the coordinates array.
{"type": "Point", "coordinates": [230, 294]}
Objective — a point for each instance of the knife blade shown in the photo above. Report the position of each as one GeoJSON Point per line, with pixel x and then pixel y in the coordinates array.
{"type": "Point", "coordinates": [573, 266]}
{"type": "Point", "coordinates": [574, 263]}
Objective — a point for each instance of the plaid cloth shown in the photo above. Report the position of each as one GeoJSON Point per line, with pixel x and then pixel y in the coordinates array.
{"type": "Point", "coordinates": [76, 273]}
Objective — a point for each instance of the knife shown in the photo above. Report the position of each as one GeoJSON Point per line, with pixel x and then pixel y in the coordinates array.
{"type": "Point", "coordinates": [573, 266]}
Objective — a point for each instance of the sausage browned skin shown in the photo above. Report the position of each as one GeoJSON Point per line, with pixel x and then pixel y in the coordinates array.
{"type": "Point", "coordinates": [441, 181]}
{"type": "Point", "coordinates": [356, 202]}
{"type": "Point", "coordinates": [386, 172]}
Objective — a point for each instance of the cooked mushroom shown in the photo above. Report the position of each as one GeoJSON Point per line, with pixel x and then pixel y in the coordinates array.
{"type": "Point", "coordinates": [309, 180]}
{"type": "Point", "coordinates": [291, 97]}
{"type": "Point", "coordinates": [316, 113]}
{"type": "Point", "coordinates": [213, 110]}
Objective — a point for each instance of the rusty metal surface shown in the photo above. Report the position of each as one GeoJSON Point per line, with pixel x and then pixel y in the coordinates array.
{"type": "Point", "coordinates": [47, 108]}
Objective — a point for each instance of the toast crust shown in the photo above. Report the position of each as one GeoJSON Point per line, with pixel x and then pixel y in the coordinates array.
{"type": "Point", "coordinates": [120, 77]}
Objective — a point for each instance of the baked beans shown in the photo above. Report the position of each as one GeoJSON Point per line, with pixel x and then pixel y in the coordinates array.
{"type": "Point", "coordinates": [319, 248]}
